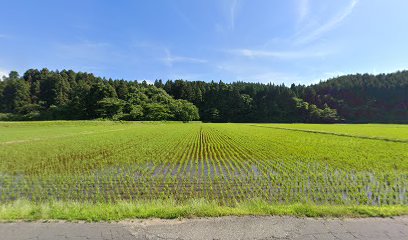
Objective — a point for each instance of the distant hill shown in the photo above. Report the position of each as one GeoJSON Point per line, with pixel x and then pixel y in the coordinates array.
{"type": "Point", "coordinates": [350, 98]}
{"type": "Point", "coordinates": [53, 95]}
{"type": "Point", "coordinates": [47, 95]}
{"type": "Point", "coordinates": [364, 97]}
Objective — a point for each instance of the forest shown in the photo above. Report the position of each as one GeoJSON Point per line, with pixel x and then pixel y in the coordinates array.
{"type": "Point", "coordinates": [68, 95]}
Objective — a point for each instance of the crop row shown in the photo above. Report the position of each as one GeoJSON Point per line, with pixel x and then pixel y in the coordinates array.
{"type": "Point", "coordinates": [221, 163]}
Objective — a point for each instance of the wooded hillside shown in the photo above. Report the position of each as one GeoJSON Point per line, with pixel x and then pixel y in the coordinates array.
{"type": "Point", "coordinates": [44, 94]}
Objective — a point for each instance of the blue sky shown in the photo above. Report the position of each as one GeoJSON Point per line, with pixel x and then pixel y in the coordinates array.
{"type": "Point", "coordinates": [300, 41]}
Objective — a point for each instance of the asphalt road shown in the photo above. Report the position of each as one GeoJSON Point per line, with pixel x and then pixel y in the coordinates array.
{"type": "Point", "coordinates": [214, 228]}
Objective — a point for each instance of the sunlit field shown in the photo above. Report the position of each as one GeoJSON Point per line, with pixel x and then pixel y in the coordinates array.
{"type": "Point", "coordinates": [226, 165]}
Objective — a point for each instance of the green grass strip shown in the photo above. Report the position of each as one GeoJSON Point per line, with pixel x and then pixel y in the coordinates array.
{"type": "Point", "coordinates": [334, 133]}
{"type": "Point", "coordinates": [71, 211]}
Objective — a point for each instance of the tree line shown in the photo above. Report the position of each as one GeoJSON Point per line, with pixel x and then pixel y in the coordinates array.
{"type": "Point", "coordinates": [381, 98]}
{"type": "Point", "coordinates": [47, 95]}
{"type": "Point", "coordinates": [247, 102]}
{"type": "Point", "coordinates": [53, 95]}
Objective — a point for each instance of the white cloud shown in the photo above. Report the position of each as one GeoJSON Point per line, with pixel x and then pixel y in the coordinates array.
{"type": "Point", "coordinates": [288, 55]}
{"type": "Point", "coordinates": [170, 59]}
{"type": "Point", "coordinates": [328, 26]}
{"type": "Point", "coordinates": [148, 81]}
{"type": "Point", "coordinates": [3, 72]}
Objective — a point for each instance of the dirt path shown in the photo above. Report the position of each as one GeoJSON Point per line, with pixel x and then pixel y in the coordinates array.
{"type": "Point", "coordinates": [214, 228]}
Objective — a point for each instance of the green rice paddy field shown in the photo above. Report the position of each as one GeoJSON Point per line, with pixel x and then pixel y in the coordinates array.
{"type": "Point", "coordinates": [111, 170]}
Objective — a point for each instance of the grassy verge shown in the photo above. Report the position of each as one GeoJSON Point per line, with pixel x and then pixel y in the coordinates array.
{"type": "Point", "coordinates": [25, 210]}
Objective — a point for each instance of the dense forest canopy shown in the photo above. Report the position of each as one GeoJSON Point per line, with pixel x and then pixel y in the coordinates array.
{"type": "Point", "coordinates": [49, 95]}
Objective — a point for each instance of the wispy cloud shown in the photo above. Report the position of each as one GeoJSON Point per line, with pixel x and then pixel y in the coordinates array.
{"type": "Point", "coordinates": [232, 13]}
{"type": "Point", "coordinates": [318, 76]}
{"type": "Point", "coordinates": [88, 51]}
{"type": "Point", "coordinates": [303, 9]}
{"type": "Point", "coordinates": [272, 77]}
{"type": "Point", "coordinates": [4, 36]}
{"type": "Point", "coordinates": [244, 71]}
{"type": "Point", "coordinates": [284, 55]}
{"type": "Point", "coordinates": [91, 56]}
{"type": "Point", "coordinates": [83, 48]}
{"type": "Point", "coordinates": [184, 18]}
{"type": "Point", "coordinates": [327, 75]}
{"type": "Point", "coordinates": [170, 59]}
{"type": "Point", "coordinates": [185, 76]}
{"type": "Point", "coordinates": [328, 26]}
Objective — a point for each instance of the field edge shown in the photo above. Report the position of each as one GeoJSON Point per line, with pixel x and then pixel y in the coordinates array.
{"type": "Point", "coordinates": [169, 209]}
